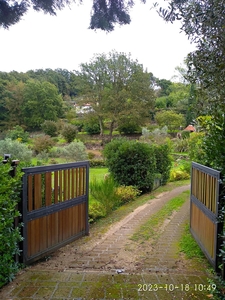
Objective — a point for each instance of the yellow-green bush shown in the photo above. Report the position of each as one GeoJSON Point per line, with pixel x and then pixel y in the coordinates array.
{"type": "Point", "coordinates": [96, 211]}
{"type": "Point", "coordinates": [176, 175]}
{"type": "Point", "coordinates": [127, 193]}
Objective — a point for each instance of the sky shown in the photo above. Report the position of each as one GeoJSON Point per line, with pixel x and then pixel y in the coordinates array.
{"type": "Point", "coordinates": [64, 41]}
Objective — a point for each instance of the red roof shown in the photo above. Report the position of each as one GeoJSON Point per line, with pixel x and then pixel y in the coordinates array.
{"type": "Point", "coordinates": [190, 128]}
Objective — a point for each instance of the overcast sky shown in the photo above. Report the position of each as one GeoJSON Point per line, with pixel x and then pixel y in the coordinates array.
{"type": "Point", "coordinates": [41, 41]}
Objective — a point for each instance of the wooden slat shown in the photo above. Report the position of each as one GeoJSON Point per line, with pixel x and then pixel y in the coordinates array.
{"type": "Point", "coordinates": [37, 191]}
{"type": "Point", "coordinates": [48, 188]}
{"type": "Point", "coordinates": [81, 180]}
{"type": "Point", "coordinates": [60, 186]}
{"type": "Point", "coordinates": [68, 184]}
{"type": "Point", "coordinates": [72, 184]}
{"type": "Point", "coordinates": [30, 192]}
{"type": "Point", "coordinates": [65, 185]}
{"type": "Point", "coordinates": [77, 182]}
{"type": "Point", "coordinates": [56, 187]}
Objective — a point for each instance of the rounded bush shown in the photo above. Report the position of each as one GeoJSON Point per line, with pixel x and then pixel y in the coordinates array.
{"type": "Point", "coordinates": [131, 163]}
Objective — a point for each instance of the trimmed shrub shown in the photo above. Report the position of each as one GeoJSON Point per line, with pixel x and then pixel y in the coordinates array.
{"type": "Point", "coordinates": [42, 143]}
{"type": "Point", "coordinates": [97, 163]}
{"type": "Point", "coordinates": [104, 191]}
{"type": "Point", "coordinates": [10, 236]}
{"type": "Point", "coordinates": [50, 128]}
{"type": "Point", "coordinates": [16, 149]}
{"type": "Point", "coordinates": [69, 132]}
{"type": "Point", "coordinates": [127, 193]}
{"type": "Point", "coordinates": [18, 133]}
{"type": "Point", "coordinates": [163, 161]}
{"type": "Point", "coordinates": [131, 163]}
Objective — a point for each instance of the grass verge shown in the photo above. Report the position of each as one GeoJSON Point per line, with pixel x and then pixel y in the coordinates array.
{"type": "Point", "coordinates": [189, 246]}
{"type": "Point", "coordinates": [150, 228]}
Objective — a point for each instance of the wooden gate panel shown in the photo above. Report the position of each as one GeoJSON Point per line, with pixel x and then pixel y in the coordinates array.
{"type": "Point", "coordinates": [55, 207]}
{"type": "Point", "coordinates": [205, 183]}
{"type": "Point", "coordinates": [206, 236]}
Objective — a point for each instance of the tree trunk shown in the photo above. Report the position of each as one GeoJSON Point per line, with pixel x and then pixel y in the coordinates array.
{"type": "Point", "coordinates": [111, 129]}
{"type": "Point", "coordinates": [101, 126]}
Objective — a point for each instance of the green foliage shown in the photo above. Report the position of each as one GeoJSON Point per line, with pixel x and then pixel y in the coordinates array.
{"type": "Point", "coordinates": [75, 151]}
{"type": "Point", "coordinates": [42, 143]}
{"type": "Point", "coordinates": [17, 150]}
{"type": "Point", "coordinates": [128, 127]}
{"type": "Point", "coordinates": [195, 145]}
{"type": "Point", "coordinates": [41, 102]}
{"type": "Point", "coordinates": [127, 193]}
{"type": "Point", "coordinates": [10, 189]}
{"type": "Point", "coordinates": [170, 119]}
{"type": "Point", "coordinates": [96, 211]}
{"type": "Point", "coordinates": [181, 145]}
{"type": "Point", "coordinates": [97, 163]}
{"type": "Point", "coordinates": [117, 88]}
{"type": "Point", "coordinates": [43, 156]}
{"type": "Point", "coordinates": [176, 175]}
{"type": "Point", "coordinates": [104, 191]}
{"type": "Point", "coordinates": [189, 246]}
{"type": "Point", "coordinates": [163, 161]}
{"type": "Point", "coordinates": [18, 133]}
{"type": "Point", "coordinates": [131, 163]}
{"type": "Point", "coordinates": [185, 134]}
{"type": "Point", "coordinates": [157, 135]}
{"type": "Point", "coordinates": [91, 155]}
{"type": "Point", "coordinates": [78, 123]}
{"type": "Point", "coordinates": [69, 132]}
{"type": "Point", "coordinates": [50, 128]}
{"type": "Point", "coordinates": [92, 128]}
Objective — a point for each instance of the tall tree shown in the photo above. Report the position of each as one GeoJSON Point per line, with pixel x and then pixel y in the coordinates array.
{"type": "Point", "coordinates": [116, 87]}
{"type": "Point", "coordinates": [41, 102]}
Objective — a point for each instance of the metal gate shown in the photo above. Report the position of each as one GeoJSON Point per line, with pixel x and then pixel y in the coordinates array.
{"type": "Point", "coordinates": [204, 226]}
{"type": "Point", "coordinates": [54, 207]}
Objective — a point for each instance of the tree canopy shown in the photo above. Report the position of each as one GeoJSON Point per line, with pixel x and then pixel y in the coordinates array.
{"type": "Point", "coordinates": [105, 13]}
{"type": "Point", "coordinates": [117, 88]}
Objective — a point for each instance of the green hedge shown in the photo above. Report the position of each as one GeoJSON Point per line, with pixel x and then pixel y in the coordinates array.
{"type": "Point", "coordinates": [10, 189]}
{"type": "Point", "coordinates": [136, 163]}
{"type": "Point", "coordinates": [131, 163]}
{"type": "Point", "coordinates": [163, 161]}
{"type": "Point", "coordinates": [97, 163]}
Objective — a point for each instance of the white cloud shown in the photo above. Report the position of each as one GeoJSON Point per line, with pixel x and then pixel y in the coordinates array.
{"type": "Point", "coordinates": [43, 41]}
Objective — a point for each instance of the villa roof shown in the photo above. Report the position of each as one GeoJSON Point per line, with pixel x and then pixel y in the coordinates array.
{"type": "Point", "coordinates": [190, 128]}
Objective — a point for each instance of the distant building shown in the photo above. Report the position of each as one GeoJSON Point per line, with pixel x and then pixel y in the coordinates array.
{"type": "Point", "coordinates": [190, 128]}
{"type": "Point", "coordinates": [84, 109]}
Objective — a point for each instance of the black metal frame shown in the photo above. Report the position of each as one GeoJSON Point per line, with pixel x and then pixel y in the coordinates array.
{"type": "Point", "coordinates": [44, 211]}
{"type": "Point", "coordinates": [213, 217]}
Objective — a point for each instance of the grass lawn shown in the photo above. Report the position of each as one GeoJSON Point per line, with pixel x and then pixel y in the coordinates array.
{"type": "Point", "coordinates": [98, 173]}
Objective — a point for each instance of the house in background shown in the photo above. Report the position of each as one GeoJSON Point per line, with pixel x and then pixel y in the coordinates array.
{"type": "Point", "coordinates": [190, 128]}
